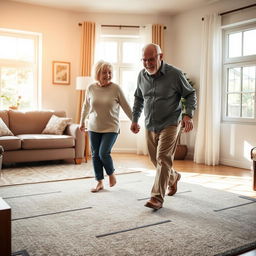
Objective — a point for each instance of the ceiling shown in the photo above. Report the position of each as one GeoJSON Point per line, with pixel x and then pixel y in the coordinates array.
{"type": "Point", "coordinates": [168, 7]}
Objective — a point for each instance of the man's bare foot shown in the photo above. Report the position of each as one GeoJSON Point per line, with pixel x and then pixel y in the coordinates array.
{"type": "Point", "coordinates": [112, 180]}
{"type": "Point", "coordinates": [98, 187]}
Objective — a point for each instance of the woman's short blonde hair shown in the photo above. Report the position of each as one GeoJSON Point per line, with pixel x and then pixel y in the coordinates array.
{"type": "Point", "coordinates": [99, 66]}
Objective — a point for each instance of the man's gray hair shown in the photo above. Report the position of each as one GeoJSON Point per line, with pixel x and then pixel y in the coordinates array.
{"type": "Point", "coordinates": [156, 46]}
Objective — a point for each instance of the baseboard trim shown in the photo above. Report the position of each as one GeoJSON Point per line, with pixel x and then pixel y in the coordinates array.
{"type": "Point", "coordinates": [237, 164]}
{"type": "Point", "coordinates": [124, 150]}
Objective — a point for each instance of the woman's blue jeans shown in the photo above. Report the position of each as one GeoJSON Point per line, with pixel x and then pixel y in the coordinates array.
{"type": "Point", "coordinates": [101, 146]}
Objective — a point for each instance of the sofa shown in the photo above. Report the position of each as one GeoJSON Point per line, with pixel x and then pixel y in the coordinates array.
{"type": "Point", "coordinates": [29, 136]}
{"type": "Point", "coordinates": [253, 157]}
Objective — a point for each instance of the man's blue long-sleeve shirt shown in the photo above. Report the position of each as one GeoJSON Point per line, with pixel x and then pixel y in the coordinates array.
{"type": "Point", "coordinates": [160, 95]}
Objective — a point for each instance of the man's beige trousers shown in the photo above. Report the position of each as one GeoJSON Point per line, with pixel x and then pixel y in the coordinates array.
{"type": "Point", "coordinates": [161, 148]}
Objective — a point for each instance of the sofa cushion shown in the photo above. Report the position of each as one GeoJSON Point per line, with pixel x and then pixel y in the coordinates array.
{"type": "Point", "coordinates": [30, 122]}
{"type": "Point", "coordinates": [10, 143]}
{"type": "Point", "coordinates": [56, 125]}
{"type": "Point", "coordinates": [4, 116]}
{"type": "Point", "coordinates": [42, 141]}
{"type": "Point", "coordinates": [4, 130]}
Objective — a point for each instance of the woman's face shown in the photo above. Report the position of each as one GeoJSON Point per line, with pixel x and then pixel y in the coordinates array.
{"type": "Point", "coordinates": [105, 76]}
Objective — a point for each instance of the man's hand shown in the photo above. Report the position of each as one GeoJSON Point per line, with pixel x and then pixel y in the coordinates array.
{"type": "Point", "coordinates": [187, 123]}
{"type": "Point", "coordinates": [135, 128]}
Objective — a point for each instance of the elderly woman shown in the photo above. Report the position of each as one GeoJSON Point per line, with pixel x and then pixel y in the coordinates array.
{"type": "Point", "coordinates": [101, 106]}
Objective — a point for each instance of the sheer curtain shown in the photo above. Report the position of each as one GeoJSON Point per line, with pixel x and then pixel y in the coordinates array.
{"type": "Point", "coordinates": [146, 37]}
{"type": "Point", "coordinates": [208, 131]}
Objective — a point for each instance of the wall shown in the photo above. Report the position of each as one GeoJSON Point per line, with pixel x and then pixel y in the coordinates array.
{"type": "Point", "coordinates": [61, 41]}
{"type": "Point", "coordinates": [236, 139]}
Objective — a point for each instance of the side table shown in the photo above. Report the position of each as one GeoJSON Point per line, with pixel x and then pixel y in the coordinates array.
{"type": "Point", "coordinates": [5, 231]}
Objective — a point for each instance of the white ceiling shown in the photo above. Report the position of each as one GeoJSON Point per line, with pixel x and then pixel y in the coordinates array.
{"type": "Point", "coordinates": [169, 7]}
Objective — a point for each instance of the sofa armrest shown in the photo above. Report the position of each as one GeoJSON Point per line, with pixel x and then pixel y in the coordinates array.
{"type": "Point", "coordinates": [253, 154]}
{"type": "Point", "coordinates": [73, 130]}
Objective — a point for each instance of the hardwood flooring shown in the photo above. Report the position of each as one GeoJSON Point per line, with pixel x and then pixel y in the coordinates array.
{"type": "Point", "coordinates": [232, 179]}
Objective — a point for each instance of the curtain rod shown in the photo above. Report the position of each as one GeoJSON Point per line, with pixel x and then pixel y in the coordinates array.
{"type": "Point", "coordinates": [235, 10]}
{"type": "Point", "coordinates": [238, 9]}
{"type": "Point", "coordinates": [119, 26]}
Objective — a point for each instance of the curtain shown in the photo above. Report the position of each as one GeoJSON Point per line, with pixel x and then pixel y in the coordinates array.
{"type": "Point", "coordinates": [207, 144]}
{"type": "Point", "coordinates": [158, 35]}
{"type": "Point", "coordinates": [86, 59]}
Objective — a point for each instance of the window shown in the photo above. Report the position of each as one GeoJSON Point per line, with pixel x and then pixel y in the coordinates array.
{"type": "Point", "coordinates": [239, 69]}
{"type": "Point", "coordinates": [19, 67]}
{"type": "Point", "coordinates": [124, 53]}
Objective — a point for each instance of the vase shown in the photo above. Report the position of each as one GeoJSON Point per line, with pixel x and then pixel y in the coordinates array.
{"type": "Point", "coordinates": [181, 152]}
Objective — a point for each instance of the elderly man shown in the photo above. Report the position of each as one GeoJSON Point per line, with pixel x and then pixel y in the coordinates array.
{"type": "Point", "coordinates": [159, 90]}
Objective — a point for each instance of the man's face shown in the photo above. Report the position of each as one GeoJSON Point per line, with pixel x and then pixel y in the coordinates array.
{"type": "Point", "coordinates": [151, 60]}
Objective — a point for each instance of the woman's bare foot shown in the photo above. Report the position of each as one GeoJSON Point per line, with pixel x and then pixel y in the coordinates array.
{"type": "Point", "coordinates": [98, 187]}
{"type": "Point", "coordinates": [112, 180]}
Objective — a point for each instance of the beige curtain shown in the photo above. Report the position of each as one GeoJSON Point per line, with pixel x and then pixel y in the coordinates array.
{"type": "Point", "coordinates": [86, 59]}
{"type": "Point", "coordinates": [158, 35]}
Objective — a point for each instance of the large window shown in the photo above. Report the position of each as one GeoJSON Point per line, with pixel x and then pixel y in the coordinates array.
{"type": "Point", "coordinates": [239, 66]}
{"type": "Point", "coordinates": [124, 52]}
{"type": "Point", "coordinates": [19, 70]}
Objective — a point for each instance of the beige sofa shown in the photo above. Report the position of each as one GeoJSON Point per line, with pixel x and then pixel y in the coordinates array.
{"type": "Point", "coordinates": [28, 144]}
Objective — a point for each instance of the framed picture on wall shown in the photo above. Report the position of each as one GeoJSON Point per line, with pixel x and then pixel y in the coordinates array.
{"type": "Point", "coordinates": [61, 72]}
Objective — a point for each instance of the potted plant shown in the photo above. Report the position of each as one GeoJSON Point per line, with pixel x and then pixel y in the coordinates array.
{"type": "Point", "coordinates": [182, 149]}
{"type": "Point", "coordinates": [11, 101]}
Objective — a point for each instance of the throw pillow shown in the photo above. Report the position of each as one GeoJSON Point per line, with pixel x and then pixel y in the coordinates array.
{"type": "Point", "coordinates": [4, 130]}
{"type": "Point", "coordinates": [56, 125]}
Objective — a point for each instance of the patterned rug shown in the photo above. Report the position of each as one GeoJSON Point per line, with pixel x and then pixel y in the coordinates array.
{"type": "Point", "coordinates": [65, 218]}
{"type": "Point", "coordinates": [28, 173]}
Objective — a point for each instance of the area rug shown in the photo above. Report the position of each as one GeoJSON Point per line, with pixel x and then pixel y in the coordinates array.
{"type": "Point", "coordinates": [49, 171]}
{"type": "Point", "coordinates": [65, 218]}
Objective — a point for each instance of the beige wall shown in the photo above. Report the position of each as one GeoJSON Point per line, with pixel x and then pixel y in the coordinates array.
{"type": "Point", "coordinates": [61, 41]}
{"type": "Point", "coordinates": [236, 139]}
{"type": "Point", "coordinates": [61, 38]}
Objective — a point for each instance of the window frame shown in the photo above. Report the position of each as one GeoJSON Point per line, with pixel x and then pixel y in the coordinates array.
{"type": "Point", "coordinates": [119, 65]}
{"type": "Point", "coordinates": [241, 61]}
{"type": "Point", "coordinates": [35, 65]}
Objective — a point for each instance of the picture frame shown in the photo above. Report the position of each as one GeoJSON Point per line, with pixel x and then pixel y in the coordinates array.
{"type": "Point", "coordinates": [61, 72]}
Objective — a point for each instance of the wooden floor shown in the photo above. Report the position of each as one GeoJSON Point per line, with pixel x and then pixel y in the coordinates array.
{"type": "Point", "coordinates": [227, 178]}
{"type": "Point", "coordinates": [232, 179]}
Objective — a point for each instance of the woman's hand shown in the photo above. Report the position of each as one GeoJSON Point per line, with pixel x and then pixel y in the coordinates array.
{"type": "Point", "coordinates": [135, 128]}
{"type": "Point", "coordinates": [82, 128]}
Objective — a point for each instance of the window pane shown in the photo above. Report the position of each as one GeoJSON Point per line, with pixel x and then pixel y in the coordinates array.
{"type": "Point", "coordinates": [248, 105]}
{"type": "Point", "coordinates": [234, 80]}
{"type": "Point", "coordinates": [249, 79]}
{"type": "Point", "coordinates": [17, 87]}
{"type": "Point", "coordinates": [8, 49]}
{"type": "Point", "coordinates": [249, 42]}
{"type": "Point", "coordinates": [234, 105]}
{"type": "Point", "coordinates": [131, 52]}
{"type": "Point", "coordinates": [25, 49]}
{"type": "Point", "coordinates": [235, 45]}
{"type": "Point", "coordinates": [129, 83]}
{"type": "Point", "coordinates": [108, 51]}
{"type": "Point", "coordinates": [16, 48]}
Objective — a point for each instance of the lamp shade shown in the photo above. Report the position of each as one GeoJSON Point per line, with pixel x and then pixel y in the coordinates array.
{"type": "Point", "coordinates": [82, 82]}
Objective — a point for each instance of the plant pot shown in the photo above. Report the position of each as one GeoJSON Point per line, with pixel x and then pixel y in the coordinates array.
{"type": "Point", "coordinates": [181, 152]}
{"type": "Point", "coordinates": [13, 107]}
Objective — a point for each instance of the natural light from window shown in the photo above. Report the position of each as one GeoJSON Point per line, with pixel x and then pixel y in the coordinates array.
{"type": "Point", "coordinates": [18, 70]}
